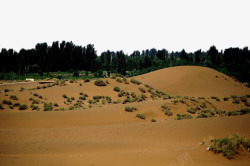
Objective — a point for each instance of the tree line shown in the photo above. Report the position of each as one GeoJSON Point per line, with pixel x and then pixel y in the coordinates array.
{"type": "Point", "coordinates": [66, 56]}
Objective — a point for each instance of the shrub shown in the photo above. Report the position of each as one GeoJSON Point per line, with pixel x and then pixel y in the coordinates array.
{"type": "Point", "coordinates": [141, 116]}
{"type": "Point", "coordinates": [244, 111]}
{"type": "Point", "coordinates": [72, 98]}
{"type": "Point", "coordinates": [11, 107]}
{"type": "Point", "coordinates": [221, 112]}
{"type": "Point", "coordinates": [233, 96]}
{"type": "Point", "coordinates": [215, 97]}
{"type": "Point", "coordinates": [203, 98]}
{"type": "Point", "coordinates": [226, 98]}
{"type": "Point", "coordinates": [47, 107]}
{"type": "Point", "coordinates": [64, 96]}
{"type": "Point", "coordinates": [6, 90]}
{"type": "Point", "coordinates": [13, 97]}
{"type": "Point", "coordinates": [80, 84]}
{"type": "Point", "coordinates": [16, 104]}
{"type": "Point", "coordinates": [38, 87]}
{"type": "Point", "coordinates": [203, 105]}
{"type": "Point", "coordinates": [142, 89]}
{"type": "Point", "coordinates": [133, 94]}
{"type": "Point", "coordinates": [153, 120]}
{"type": "Point", "coordinates": [194, 100]}
{"type": "Point", "coordinates": [191, 110]}
{"type": "Point", "coordinates": [168, 113]}
{"type": "Point", "coordinates": [175, 101]}
{"type": "Point", "coordinates": [1, 107]}
{"type": "Point", "coordinates": [35, 94]}
{"type": "Point", "coordinates": [87, 80]}
{"type": "Point", "coordinates": [148, 86]}
{"type": "Point", "coordinates": [229, 146]}
{"type": "Point", "coordinates": [40, 97]}
{"type": "Point", "coordinates": [23, 107]}
{"type": "Point", "coordinates": [125, 80]}
{"type": "Point", "coordinates": [8, 102]}
{"type": "Point", "coordinates": [117, 89]}
{"type": "Point", "coordinates": [80, 93]}
{"type": "Point", "coordinates": [134, 81]}
{"type": "Point", "coordinates": [243, 98]}
{"type": "Point", "coordinates": [233, 113]}
{"type": "Point", "coordinates": [247, 104]}
{"type": "Point", "coordinates": [236, 101]}
{"type": "Point", "coordinates": [35, 101]}
{"type": "Point", "coordinates": [166, 96]}
{"type": "Point", "coordinates": [165, 107]}
{"type": "Point", "coordinates": [71, 107]}
{"type": "Point", "coordinates": [100, 83]}
{"type": "Point", "coordinates": [56, 104]}
{"type": "Point", "coordinates": [34, 107]}
{"type": "Point", "coordinates": [183, 116]}
{"type": "Point", "coordinates": [202, 115]}
{"type": "Point", "coordinates": [119, 80]}
{"type": "Point", "coordinates": [130, 109]}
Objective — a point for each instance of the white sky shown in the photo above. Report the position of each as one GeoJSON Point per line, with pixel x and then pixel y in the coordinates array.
{"type": "Point", "coordinates": [126, 24]}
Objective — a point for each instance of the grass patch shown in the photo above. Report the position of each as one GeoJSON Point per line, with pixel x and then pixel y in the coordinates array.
{"type": "Point", "coordinates": [130, 109]}
{"type": "Point", "coordinates": [141, 116]}
{"type": "Point", "coordinates": [117, 89]}
{"type": "Point", "coordinates": [168, 113]}
{"type": "Point", "coordinates": [191, 110]}
{"type": "Point", "coordinates": [23, 107]}
{"type": "Point", "coordinates": [229, 146]}
{"type": "Point", "coordinates": [134, 81]}
{"type": "Point", "coordinates": [100, 82]}
{"type": "Point", "coordinates": [153, 120]}
{"type": "Point", "coordinates": [142, 89]}
{"type": "Point", "coordinates": [47, 106]}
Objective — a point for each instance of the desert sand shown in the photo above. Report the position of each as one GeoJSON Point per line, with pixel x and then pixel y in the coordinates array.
{"type": "Point", "coordinates": [107, 135]}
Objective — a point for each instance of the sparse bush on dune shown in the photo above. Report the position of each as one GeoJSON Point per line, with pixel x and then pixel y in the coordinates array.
{"type": "Point", "coordinates": [125, 80]}
{"type": "Point", "coordinates": [6, 90]}
{"type": "Point", "coordinates": [183, 116]}
{"type": "Point", "coordinates": [7, 102]}
{"type": "Point", "coordinates": [243, 98]}
{"type": "Point", "coordinates": [229, 146]}
{"type": "Point", "coordinates": [11, 107]}
{"type": "Point", "coordinates": [221, 112]}
{"type": "Point", "coordinates": [142, 89]}
{"type": "Point", "coordinates": [194, 100]}
{"type": "Point", "coordinates": [165, 107]}
{"type": "Point", "coordinates": [23, 107]}
{"type": "Point", "coordinates": [35, 94]}
{"type": "Point", "coordinates": [166, 97]}
{"type": "Point", "coordinates": [236, 101]}
{"type": "Point", "coordinates": [130, 109]}
{"type": "Point", "coordinates": [153, 120]}
{"type": "Point", "coordinates": [1, 107]}
{"type": "Point", "coordinates": [13, 97]}
{"type": "Point", "coordinates": [117, 102]}
{"type": "Point", "coordinates": [64, 96]}
{"type": "Point", "coordinates": [141, 116]}
{"type": "Point", "coordinates": [191, 110]}
{"type": "Point", "coordinates": [175, 101]}
{"type": "Point", "coordinates": [34, 107]}
{"type": "Point", "coordinates": [16, 104]}
{"type": "Point", "coordinates": [168, 113]}
{"type": "Point", "coordinates": [247, 104]}
{"type": "Point", "coordinates": [134, 81]}
{"type": "Point", "coordinates": [133, 95]}
{"type": "Point", "coordinates": [35, 101]}
{"type": "Point", "coordinates": [203, 105]}
{"type": "Point", "coordinates": [38, 87]}
{"type": "Point", "coordinates": [233, 96]}
{"type": "Point", "coordinates": [47, 106]}
{"type": "Point", "coordinates": [119, 80]}
{"type": "Point", "coordinates": [87, 80]}
{"type": "Point", "coordinates": [40, 97]}
{"type": "Point", "coordinates": [56, 105]}
{"type": "Point", "coordinates": [100, 82]}
{"type": "Point", "coordinates": [148, 86]}
{"type": "Point", "coordinates": [215, 97]}
{"type": "Point", "coordinates": [117, 89]}
{"type": "Point", "coordinates": [226, 98]}
{"type": "Point", "coordinates": [201, 98]}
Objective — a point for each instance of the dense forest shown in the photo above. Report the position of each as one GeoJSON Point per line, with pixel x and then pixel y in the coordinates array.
{"type": "Point", "coordinates": [66, 56]}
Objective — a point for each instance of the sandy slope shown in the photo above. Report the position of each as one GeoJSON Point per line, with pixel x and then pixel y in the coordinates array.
{"type": "Point", "coordinates": [106, 135]}
{"type": "Point", "coordinates": [193, 81]}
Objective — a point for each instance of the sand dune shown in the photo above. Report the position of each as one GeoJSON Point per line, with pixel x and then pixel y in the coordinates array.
{"type": "Point", "coordinates": [107, 135]}
{"type": "Point", "coordinates": [193, 81]}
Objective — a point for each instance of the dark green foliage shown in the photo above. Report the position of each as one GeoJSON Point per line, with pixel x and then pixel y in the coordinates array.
{"type": "Point", "coordinates": [130, 109]}
{"type": "Point", "coordinates": [153, 120]}
{"type": "Point", "coordinates": [229, 146]}
{"type": "Point", "coordinates": [134, 81]}
{"type": "Point", "coordinates": [1, 107]}
{"type": "Point", "coordinates": [119, 80]}
{"type": "Point", "coordinates": [141, 116]}
{"type": "Point", "coordinates": [8, 102]}
{"type": "Point", "coordinates": [64, 96]}
{"type": "Point", "coordinates": [236, 101]}
{"type": "Point", "coordinates": [100, 82]}
{"type": "Point", "coordinates": [117, 89]}
{"type": "Point", "coordinates": [47, 106]}
{"type": "Point", "coordinates": [183, 116]}
{"type": "Point", "coordinates": [6, 90]}
{"type": "Point", "coordinates": [34, 107]}
{"type": "Point", "coordinates": [13, 97]}
{"type": "Point", "coordinates": [142, 89]}
{"type": "Point", "coordinates": [168, 113]}
{"type": "Point", "coordinates": [35, 101]}
{"type": "Point", "coordinates": [23, 107]}
{"type": "Point", "coordinates": [191, 110]}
